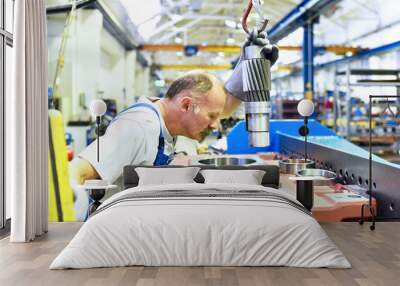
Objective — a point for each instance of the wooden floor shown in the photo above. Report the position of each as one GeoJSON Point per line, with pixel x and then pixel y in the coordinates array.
{"type": "Point", "coordinates": [375, 257]}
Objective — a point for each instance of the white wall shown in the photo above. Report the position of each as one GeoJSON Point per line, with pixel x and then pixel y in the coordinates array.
{"type": "Point", "coordinates": [79, 76]}
{"type": "Point", "coordinates": [95, 65]}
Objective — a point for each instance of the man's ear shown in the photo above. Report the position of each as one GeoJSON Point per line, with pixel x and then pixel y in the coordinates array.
{"type": "Point", "coordinates": [185, 103]}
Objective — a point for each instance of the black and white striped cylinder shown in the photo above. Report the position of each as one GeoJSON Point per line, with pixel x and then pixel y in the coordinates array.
{"type": "Point", "coordinates": [256, 75]}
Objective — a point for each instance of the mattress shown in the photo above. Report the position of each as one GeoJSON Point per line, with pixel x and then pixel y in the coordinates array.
{"type": "Point", "coordinates": [201, 225]}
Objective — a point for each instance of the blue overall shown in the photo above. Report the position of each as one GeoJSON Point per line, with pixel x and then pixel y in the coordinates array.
{"type": "Point", "coordinates": [161, 158]}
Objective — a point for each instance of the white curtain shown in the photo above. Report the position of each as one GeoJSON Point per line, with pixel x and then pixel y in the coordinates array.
{"type": "Point", "coordinates": [27, 132]}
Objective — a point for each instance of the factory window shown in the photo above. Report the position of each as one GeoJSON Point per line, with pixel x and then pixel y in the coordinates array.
{"type": "Point", "coordinates": [6, 44]}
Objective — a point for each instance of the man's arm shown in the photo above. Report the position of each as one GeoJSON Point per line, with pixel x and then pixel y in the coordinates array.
{"type": "Point", "coordinates": [81, 170]}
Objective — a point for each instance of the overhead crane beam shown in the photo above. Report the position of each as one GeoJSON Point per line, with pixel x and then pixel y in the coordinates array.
{"type": "Point", "coordinates": [306, 11]}
{"type": "Point", "coordinates": [193, 67]}
{"type": "Point", "coordinates": [308, 60]}
{"type": "Point", "coordinates": [188, 67]}
{"type": "Point", "coordinates": [236, 49]}
{"type": "Point", "coordinates": [304, 15]}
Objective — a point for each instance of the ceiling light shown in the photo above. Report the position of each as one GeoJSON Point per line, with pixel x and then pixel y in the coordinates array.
{"type": "Point", "coordinates": [160, 83]}
{"type": "Point", "coordinates": [230, 41]}
{"type": "Point", "coordinates": [230, 24]}
{"type": "Point", "coordinates": [178, 40]}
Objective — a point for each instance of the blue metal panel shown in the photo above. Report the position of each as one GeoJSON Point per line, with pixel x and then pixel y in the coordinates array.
{"type": "Point", "coordinates": [319, 135]}
{"type": "Point", "coordinates": [351, 165]}
{"type": "Point", "coordinates": [366, 53]}
{"type": "Point", "coordinates": [305, 11]}
{"type": "Point", "coordinates": [308, 60]}
{"type": "Point", "coordinates": [362, 54]}
{"type": "Point", "coordinates": [238, 143]}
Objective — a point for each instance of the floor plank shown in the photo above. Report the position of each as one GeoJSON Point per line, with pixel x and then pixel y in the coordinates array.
{"type": "Point", "coordinates": [375, 257]}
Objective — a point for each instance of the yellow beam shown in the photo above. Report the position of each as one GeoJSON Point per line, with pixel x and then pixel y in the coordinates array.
{"type": "Point", "coordinates": [188, 67]}
{"type": "Point", "coordinates": [220, 48]}
{"type": "Point", "coordinates": [194, 67]}
{"type": "Point", "coordinates": [162, 48]}
{"type": "Point", "coordinates": [204, 48]}
{"type": "Point", "coordinates": [236, 49]}
{"type": "Point", "coordinates": [341, 50]}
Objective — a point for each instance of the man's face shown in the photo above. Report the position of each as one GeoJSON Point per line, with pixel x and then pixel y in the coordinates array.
{"type": "Point", "coordinates": [203, 116]}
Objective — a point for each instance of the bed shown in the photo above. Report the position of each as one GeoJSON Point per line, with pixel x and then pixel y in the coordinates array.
{"type": "Point", "coordinates": [201, 224]}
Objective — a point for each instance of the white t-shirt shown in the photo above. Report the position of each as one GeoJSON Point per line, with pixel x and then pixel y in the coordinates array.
{"type": "Point", "coordinates": [131, 139]}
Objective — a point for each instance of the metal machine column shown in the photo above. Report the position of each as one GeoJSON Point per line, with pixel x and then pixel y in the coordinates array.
{"type": "Point", "coordinates": [308, 60]}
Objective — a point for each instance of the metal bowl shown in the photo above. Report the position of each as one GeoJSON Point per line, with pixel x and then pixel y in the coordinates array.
{"type": "Point", "coordinates": [226, 161]}
{"type": "Point", "coordinates": [292, 166]}
{"type": "Point", "coordinates": [328, 177]}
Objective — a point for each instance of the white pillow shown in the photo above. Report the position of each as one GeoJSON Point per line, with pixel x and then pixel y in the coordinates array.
{"type": "Point", "coordinates": [248, 177]}
{"type": "Point", "coordinates": [166, 176]}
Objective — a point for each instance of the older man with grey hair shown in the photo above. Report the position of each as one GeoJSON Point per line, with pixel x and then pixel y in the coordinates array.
{"type": "Point", "coordinates": [144, 133]}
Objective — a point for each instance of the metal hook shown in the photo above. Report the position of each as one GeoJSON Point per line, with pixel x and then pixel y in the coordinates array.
{"type": "Point", "coordinates": [246, 15]}
{"type": "Point", "coordinates": [397, 112]}
{"type": "Point", "coordinates": [389, 108]}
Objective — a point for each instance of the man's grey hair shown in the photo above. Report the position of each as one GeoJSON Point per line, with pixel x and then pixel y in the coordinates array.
{"type": "Point", "coordinates": [198, 83]}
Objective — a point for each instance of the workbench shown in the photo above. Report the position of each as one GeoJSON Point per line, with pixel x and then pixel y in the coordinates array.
{"type": "Point", "coordinates": [330, 205]}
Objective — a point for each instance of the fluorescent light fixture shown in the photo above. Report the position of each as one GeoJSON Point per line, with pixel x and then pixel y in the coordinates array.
{"type": "Point", "coordinates": [230, 41]}
{"type": "Point", "coordinates": [230, 24]}
{"type": "Point", "coordinates": [178, 40]}
{"type": "Point", "coordinates": [349, 54]}
{"type": "Point", "coordinates": [160, 83]}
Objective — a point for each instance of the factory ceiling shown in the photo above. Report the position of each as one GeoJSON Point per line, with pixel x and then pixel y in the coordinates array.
{"type": "Point", "coordinates": [166, 26]}
{"type": "Point", "coordinates": [198, 22]}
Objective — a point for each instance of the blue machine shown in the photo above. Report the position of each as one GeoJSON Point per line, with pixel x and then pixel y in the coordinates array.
{"type": "Point", "coordinates": [329, 151]}
{"type": "Point", "coordinates": [238, 142]}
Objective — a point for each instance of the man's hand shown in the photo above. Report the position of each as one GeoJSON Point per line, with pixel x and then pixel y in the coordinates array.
{"type": "Point", "coordinates": [79, 171]}
{"type": "Point", "coordinates": [268, 51]}
{"type": "Point", "coordinates": [234, 84]}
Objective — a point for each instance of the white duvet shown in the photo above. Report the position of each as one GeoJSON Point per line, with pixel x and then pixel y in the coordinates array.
{"type": "Point", "coordinates": [207, 230]}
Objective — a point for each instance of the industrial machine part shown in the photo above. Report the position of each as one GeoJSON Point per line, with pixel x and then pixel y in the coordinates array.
{"type": "Point", "coordinates": [256, 85]}
{"type": "Point", "coordinates": [351, 167]}
{"type": "Point", "coordinates": [320, 177]}
{"type": "Point", "coordinates": [256, 76]}
{"type": "Point", "coordinates": [292, 166]}
{"type": "Point", "coordinates": [227, 161]}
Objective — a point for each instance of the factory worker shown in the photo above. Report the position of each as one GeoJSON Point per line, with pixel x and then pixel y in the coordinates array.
{"type": "Point", "coordinates": [144, 133]}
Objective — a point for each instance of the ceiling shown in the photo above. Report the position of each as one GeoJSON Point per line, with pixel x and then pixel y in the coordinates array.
{"type": "Point", "coordinates": [198, 22]}
{"type": "Point", "coordinates": [217, 22]}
